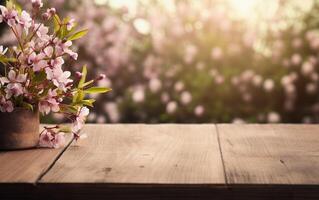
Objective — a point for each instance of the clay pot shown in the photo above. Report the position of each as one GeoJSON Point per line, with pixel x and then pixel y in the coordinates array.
{"type": "Point", "coordinates": [19, 129]}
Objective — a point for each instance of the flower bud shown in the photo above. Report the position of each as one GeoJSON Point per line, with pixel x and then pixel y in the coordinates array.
{"type": "Point", "coordinates": [49, 13]}
{"type": "Point", "coordinates": [78, 75]}
{"type": "Point", "coordinates": [37, 3]}
{"type": "Point", "coordinates": [101, 76]}
{"type": "Point", "coordinates": [52, 11]}
{"type": "Point", "coordinates": [45, 16]}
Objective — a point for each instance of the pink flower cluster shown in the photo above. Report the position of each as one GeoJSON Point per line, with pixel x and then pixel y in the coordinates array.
{"type": "Point", "coordinates": [34, 76]}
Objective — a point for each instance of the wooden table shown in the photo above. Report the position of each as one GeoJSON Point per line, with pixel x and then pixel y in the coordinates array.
{"type": "Point", "coordinates": [204, 161]}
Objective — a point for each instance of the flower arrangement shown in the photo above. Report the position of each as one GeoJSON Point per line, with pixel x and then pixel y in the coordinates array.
{"type": "Point", "coordinates": [33, 75]}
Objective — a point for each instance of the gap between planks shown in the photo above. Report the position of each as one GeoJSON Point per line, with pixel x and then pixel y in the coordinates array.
{"type": "Point", "coordinates": [53, 162]}
{"type": "Point", "coordinates": [221, 153]}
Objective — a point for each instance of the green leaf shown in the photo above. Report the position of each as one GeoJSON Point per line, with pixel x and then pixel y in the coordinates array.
{"type": "Point", "coordinates": [78, 96]}
{"type": "Point", "coordinates": [10, 4]}
{"type": "Point", "coordinates": [13, 4]}
{"type": "Point", "coordinates": [27, 105]}
{"type": "Point", "coordinates": [94, 90]}
{"type": "Point", "coordinates": [68, 108]}
{"type": "Point", "coordinates": [78, 35]}
{"type": "Point", "coordinates": [84, 74]}
{"type": "Point", "coordinates": [5, 60]}
{"type": "Point", "coordinates": [87, 102]}
{"type": "Point", "coordinates": [64, 32]}
{"type": "Point", "coordinates": [56, 22]}
{"type": "Point", "coordinates": [88, 83]}
{"type": "Point", "coordinates": [65, 129]}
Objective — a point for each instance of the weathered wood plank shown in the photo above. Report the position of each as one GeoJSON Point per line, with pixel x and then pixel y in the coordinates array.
{"type": "Point", "coordinates": [299, 152]}
{"type": "Point", "coordinates": [25, 166]}
{"type": "Point", "coordinates": [142, 154]}
{"type": "Point", "coordinates": [270, 154]}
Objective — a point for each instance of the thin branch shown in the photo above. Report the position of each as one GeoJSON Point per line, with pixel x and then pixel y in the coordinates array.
{"type": "Point", "coordinates": [16, 35]}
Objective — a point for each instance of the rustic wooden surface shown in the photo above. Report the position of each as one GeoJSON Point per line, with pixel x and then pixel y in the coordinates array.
{"type": "Point", "coordinates": [125, 161]}
{"type": "Point", "coordinates": [270, 154]}
{"type": "Point", "coordinates": [142, 154]}
{"type": "Point", "coordinates": [26, 166]}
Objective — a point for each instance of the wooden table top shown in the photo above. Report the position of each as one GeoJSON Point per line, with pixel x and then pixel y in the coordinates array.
{"type": "Point", "coordinates": [170, 161]}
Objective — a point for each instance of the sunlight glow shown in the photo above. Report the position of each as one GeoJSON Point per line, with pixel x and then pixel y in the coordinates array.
{"type": "Point", "coordinates": [253, 11]}
{"type": "Point", "coordinates": [142, 26]}
{"type": "Point", "coordinates": [243, 8]}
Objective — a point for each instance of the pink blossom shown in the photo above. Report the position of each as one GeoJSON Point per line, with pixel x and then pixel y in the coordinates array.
{"type": "Point", "coordinates": [13, 77]}
{"type": "Point", "coordinates": [48, 51]}
{"type": "Point", "coordinates": [296, 59]}
{"type": "Point", "coordinates": [49, 13]}
{"type": "Point", "coordinates": [50, 139]}
{"type": "Point", "coordinates": [186, 97]}
{"type": "Point", "coordinates": [79, 121]}
{"type": "Point", "coordinates": [171, 107]}
{"type": "Point", "coordinates": [138, 95]}
{"type": "Point", "coordinates": [199, 110]}
{"type": "Point", "coordinates": [216, 53]}
{"type": "Point", "coordinates": [59, 140]}
{"type": "Point", "coordinates": [46, 139]}
{"type": "Point", "coordinates": [307, 68]}
{"type": "Point", "coordinates": [269, 85]}
{"type": "Point", "coordinates": [8, 15]}
{"type": "Point", "coordinates": [61, 47]}
{"type": "Point", "coordinates": [49, 103]}
{"type": "Point", "coordinates": [155, 85]}
{"type": "Point", "coordinates": [25, 21]}
{"type": "Point", "coordinates": [179, 86]}
{"type": "Point", "coordinates": [257, 80]}
{"type": "Point", "coordinates": [5, 106]}
{"type": "Point", "coordinates": [37, 3]}
{"type": "Point", "coordinates": [59, 77]}
{"type": "Point", "coordinates": [36, 60]}
{"type": "Point", "coordinates": [273, 117]}
{"type": "Point", "coordinates": [42, 32]}
{"type": "Point", "coordinates": [14, 87]}
{"type": "Point", "coordinates": [57, 62]}
{"type": "Point", "coordinates": [72, 54]}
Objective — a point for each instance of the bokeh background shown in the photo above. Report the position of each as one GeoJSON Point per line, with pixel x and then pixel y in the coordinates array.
{"type": "Point", "coordinates": [191, 61]}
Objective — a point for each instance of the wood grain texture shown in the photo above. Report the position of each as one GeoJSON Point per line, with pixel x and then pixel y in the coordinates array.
{"type": "Point", "coordinates": [142, 154]}
{"type": "Point", "coordinates": [270, 154]}
{"type": "Point", "coordinates": [299, 152]}
{"type": "Point", "coordinates": [25, 166]}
